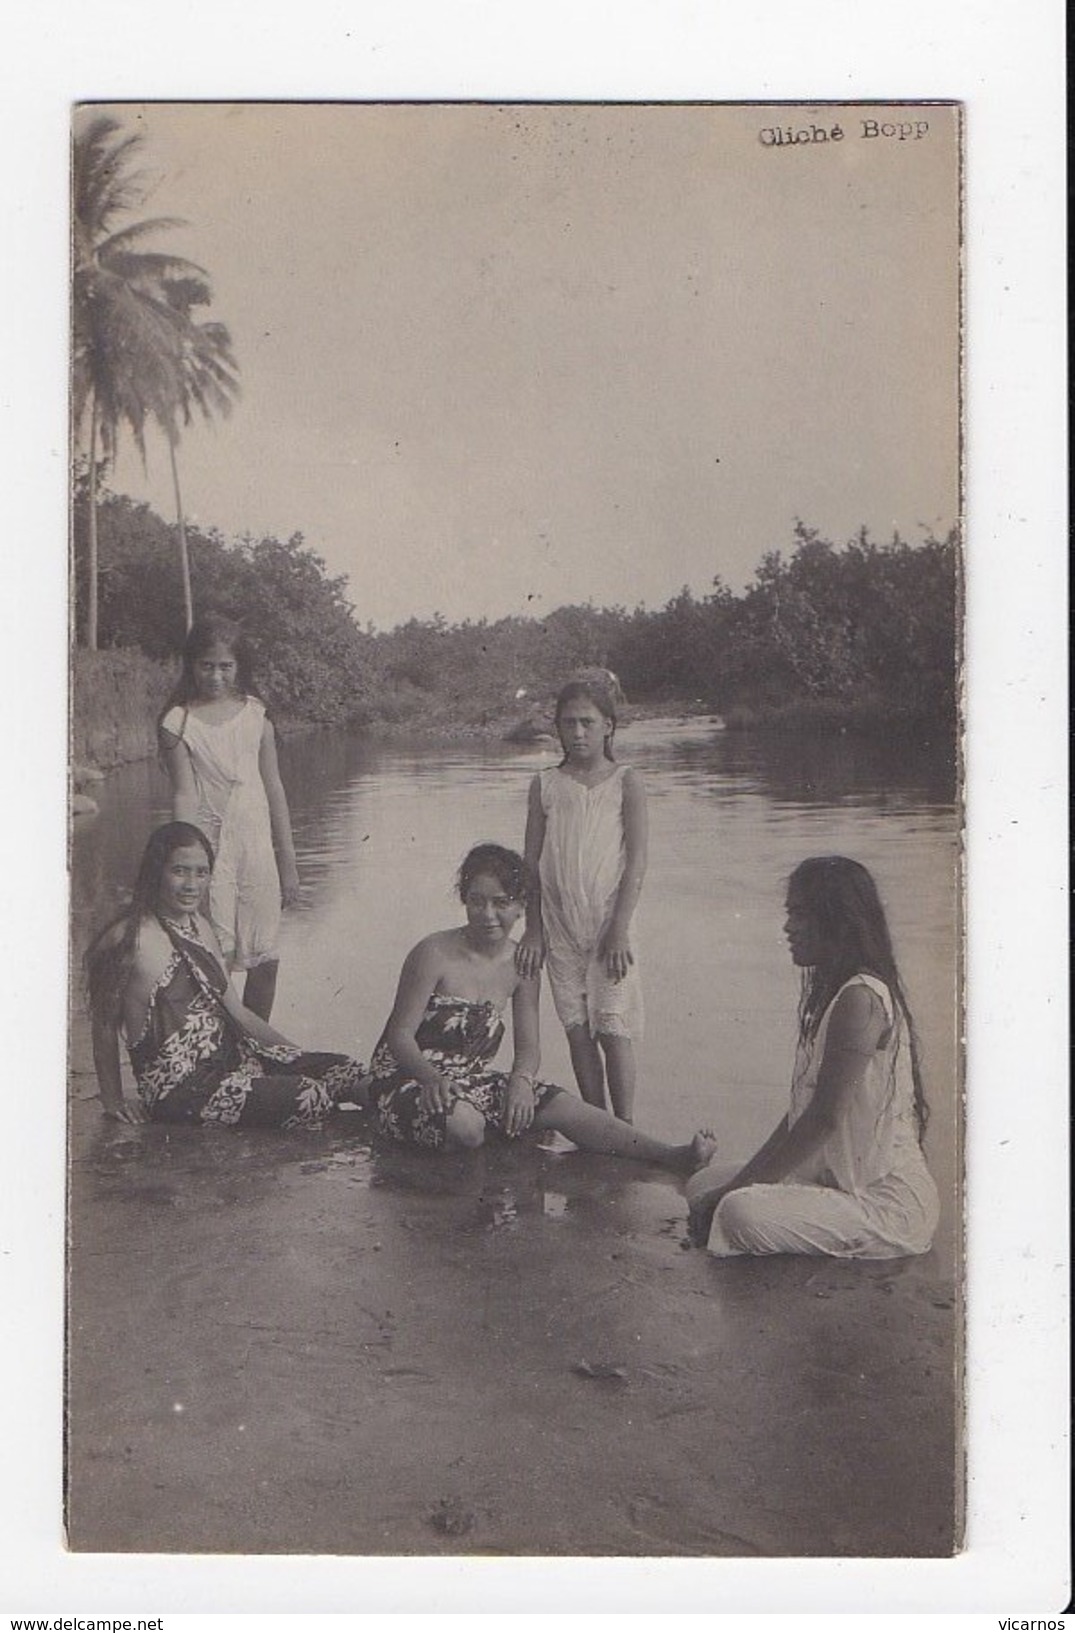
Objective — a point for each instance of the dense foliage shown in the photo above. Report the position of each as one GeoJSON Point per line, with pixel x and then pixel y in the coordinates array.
{"type": "Point", "coordinates": [863, 633]}
{"type": "Point", "coordinates": [313, 663]}
{"type": "Point", "coordinates": [140, 356]}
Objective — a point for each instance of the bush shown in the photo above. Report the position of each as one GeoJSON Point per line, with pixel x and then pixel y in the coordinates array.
{"type": "Point", "coordinates": [116, 697]}
{"type": "Point", "coordinates": [866, 633]}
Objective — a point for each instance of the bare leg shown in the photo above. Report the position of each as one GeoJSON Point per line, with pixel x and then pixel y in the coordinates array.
{"type": "Point", "coordinates": [700, 1221]}
{"type": "Point", "coordinates": [260, 989]}
{"type": "Point", "coordinates": [620, 1064]}
{"type": "Point", "coordinates": [589, 1067]}
{"type": "Point", "coordinates": [596, 1130]}
{"type": "Point", "coordinates": [704, 1194]}
{"type": "Point", "coordinates": [464, 1128]}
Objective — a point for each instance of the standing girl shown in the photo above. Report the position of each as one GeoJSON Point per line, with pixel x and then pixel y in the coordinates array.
{"type": "Point", "coordinates": [843, 1172]}
{"type": "Point", "coordinates": [220, 750]}
{"type": "Point", "coordinates": [586, 843]}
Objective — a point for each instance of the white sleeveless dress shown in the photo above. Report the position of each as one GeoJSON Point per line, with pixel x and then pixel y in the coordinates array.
{"type": "Point", "coordinates": [233, 813]}
{"type": "Point", "coordinates": [582, 862]}
{"type": "Point", "coordinates": [866, 1193]}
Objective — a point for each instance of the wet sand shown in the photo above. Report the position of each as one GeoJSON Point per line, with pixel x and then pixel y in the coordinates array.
{"type": "Point", "coordinates": [306, 1344]}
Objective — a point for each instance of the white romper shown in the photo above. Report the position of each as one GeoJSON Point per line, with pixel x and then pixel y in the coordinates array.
{"type": "Point", "coordinates": [233, 813]}
{"type": "Point", "coordinates": [582, 862]}
{"type": "Point", "coordinates": [866, 1193]}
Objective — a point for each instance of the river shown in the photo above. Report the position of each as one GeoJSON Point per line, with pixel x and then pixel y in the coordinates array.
{"type": "Point", "coordinates": [381, 826]}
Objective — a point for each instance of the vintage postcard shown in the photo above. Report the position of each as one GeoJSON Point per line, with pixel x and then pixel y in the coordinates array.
{"type": "Point", "coordinates": [580, 482]}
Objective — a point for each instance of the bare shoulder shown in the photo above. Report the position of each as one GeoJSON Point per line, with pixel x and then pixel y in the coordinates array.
{"type": "Point", "coordinates": [152, 950]}
{"type": "Point", "coordinates": [111, 938]}
{"type": "Point", "coordinates": [858, 1017]}
{"type": "Point", "coordinates": [433, 951]}
{"type": "Point", "coordinates": [424, 967]}
{"type": "Point", "coordinates": [632, 781]}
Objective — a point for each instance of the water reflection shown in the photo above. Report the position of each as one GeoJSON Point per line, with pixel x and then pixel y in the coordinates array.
{"type": "Point", "coordinates": [890, 770]}
{"type": "Point", "coordinates": [380, 829]}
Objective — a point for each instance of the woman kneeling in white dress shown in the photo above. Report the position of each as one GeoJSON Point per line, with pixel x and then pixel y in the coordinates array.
{"type": "Point", "coordinates": [843, 1172]}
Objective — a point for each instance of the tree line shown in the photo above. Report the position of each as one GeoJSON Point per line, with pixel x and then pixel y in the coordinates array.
{"type": "Point", "coordinates": [824, 635]}
{"type": "Point", "coordinates": [863, 633]}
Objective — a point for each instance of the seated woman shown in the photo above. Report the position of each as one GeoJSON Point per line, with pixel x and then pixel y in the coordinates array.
{"type": "Point", "coordinates": [432, 1084]}
{"type": "Point", "coordinates": [843, 1172]}
{"type": "Point", "coordinates": [157, 974]}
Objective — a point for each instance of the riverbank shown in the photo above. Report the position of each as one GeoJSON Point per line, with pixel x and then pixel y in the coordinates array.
{"type": "Point", "coordinates": [118, 695]}
{"type": "Point", "coordinates": [311, 1343]}
{"type": "Point", "coordinates": [308, 1344]}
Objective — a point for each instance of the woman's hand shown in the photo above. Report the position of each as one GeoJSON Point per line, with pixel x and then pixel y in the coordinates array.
{"type": "Point", "coordinates": [518, 1104]}
{"type": "Point", "coordinates": [438, 1096]}
{"type": "Point", "coordinates": [114, 1102]}
{"type": "Point", "coordinates": [290, 887]}
{"type": "Point", "coordinates": [614, 951]}
{"type": "Point", "coordinates": [530, 954]}
{"type": "Point", "coordinates": [125, 1111]}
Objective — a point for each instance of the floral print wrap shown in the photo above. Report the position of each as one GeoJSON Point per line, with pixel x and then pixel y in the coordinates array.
{"type": "Point", "coordinates": [459, 1037]}
{"type": "Point", "coordinates": [195, 1064]}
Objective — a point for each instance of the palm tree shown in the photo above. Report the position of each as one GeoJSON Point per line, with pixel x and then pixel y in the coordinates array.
{"type": "Point", "coordinates": [138, 354]}
{"type": "Point", "coordinates": [207, 381]}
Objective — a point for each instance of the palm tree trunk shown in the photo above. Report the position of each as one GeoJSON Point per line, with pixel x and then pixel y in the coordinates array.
{"type": "Point", "coordinates": [91, 606]}
{"type": "Point", "coordinates": [184, 556]}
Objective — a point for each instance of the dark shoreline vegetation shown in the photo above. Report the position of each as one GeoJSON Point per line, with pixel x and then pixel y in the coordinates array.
{"type": "Point", "coordinates": [823, 639]}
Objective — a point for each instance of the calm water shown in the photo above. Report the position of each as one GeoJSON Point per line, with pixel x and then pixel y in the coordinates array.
{"type": "Point", "coordinates": [379, 830]}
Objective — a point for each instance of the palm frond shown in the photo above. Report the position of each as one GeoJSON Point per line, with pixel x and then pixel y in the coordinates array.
{"type": "Point", "coordinates": [145, 266]}
{"type": "Point", "coordinates": [138, 354]}
{"type": "Point", "coordinates": [126, 237]}
{"type": "Point", "coordinates": [102, 183]}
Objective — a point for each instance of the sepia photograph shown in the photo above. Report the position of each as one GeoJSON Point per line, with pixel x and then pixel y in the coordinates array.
{"type": "Point", "coordinates": [516, 796]}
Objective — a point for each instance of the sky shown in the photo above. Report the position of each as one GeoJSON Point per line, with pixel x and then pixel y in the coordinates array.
{"type": "Point", "coordinates": [499, 358]}
{"type": "Point", "coordinates": [1007, 62]}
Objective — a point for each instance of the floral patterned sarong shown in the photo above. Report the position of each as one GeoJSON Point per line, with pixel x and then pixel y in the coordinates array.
{"type": "Point", "coordinates": [459, 1037]}
{"type": "Point", "coordinates": [194, 1063]}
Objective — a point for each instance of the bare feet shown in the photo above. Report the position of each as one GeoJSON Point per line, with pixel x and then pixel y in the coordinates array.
{"type": "Point", "coordinates": [700, 1213]}
{"type": "Point", "coordinates": [701, 1151]}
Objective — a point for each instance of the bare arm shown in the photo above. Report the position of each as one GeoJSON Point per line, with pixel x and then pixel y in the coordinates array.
{"type": "Point", "coordinates": [526, 1039]}
{"type": "Point", "coordinates": [258, 1029]}
{"type": "Point", "coordinates": [855, 1028]}
{"type": "Point", "coordinates": [149, 960]}
{"type": "Point", "coordinates": [530, 954]}
{"type": "Point", "coordinates": [417, 981]}
{"type": "Point", "coordinates": [109, 1081]}
{"type": "Point", "coordinates": [615, 946]}
{"type": "Point", "coordinates": [279, 816]}
{"type": "Point", "coordinates": [181, 776]}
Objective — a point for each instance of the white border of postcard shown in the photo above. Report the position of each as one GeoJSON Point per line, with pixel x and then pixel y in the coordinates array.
{"type": "Point", "coordinates": [1005, 60]}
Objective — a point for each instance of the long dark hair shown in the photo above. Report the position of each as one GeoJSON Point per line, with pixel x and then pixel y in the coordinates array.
{"type": "Point", "coordinates": [591, 688]}
{"type": "Point", "coordinates": [109, 958]}
{"type": "Point", "coordinates": [842, 899]}
{"type": "Point", "coordinates": [507, 868]}
{"type": "Point", "coordinates": [213, 629]}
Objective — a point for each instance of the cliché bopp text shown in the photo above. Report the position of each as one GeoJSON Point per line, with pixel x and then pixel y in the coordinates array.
{"type": "Point", "coordinates": [898, 130]}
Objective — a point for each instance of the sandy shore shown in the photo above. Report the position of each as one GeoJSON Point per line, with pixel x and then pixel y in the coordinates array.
{"type": "Point", "coordinates": [308, 1344]}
